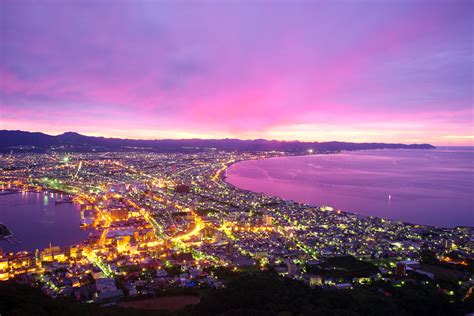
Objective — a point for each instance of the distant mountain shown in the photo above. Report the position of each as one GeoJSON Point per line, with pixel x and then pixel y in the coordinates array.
{"type": "Point", "coordinates": [71, 141]}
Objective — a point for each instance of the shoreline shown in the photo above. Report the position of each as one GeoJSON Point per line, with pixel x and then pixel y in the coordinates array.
{"type": "Point", "coordinates": [224, 179]}
{"type": "Point", "coordinates": [45, 192]}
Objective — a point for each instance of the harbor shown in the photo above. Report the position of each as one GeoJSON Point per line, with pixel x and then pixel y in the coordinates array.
{"type": "Point", "coordinates": [36, 219]}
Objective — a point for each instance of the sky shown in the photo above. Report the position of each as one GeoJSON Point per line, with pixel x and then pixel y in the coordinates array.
{"type": "Point", "coordinates": [387, 71]}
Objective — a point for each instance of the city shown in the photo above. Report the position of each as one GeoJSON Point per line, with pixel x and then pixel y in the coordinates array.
{"type": "Point", "coordinates": [160, 221]}
{"type": "Point", "coordinates": [234, 158]}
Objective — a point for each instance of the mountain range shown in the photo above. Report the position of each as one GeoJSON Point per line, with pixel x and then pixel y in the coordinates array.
{"type": "Point", "coordinates": [71, 141]}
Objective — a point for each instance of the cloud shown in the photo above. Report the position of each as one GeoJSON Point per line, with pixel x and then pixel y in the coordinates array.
{"type": "Point", "coordinates": [236, 69]}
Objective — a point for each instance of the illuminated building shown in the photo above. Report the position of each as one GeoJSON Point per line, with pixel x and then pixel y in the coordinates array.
{"type": "Point", "coordinates": [119, 214]}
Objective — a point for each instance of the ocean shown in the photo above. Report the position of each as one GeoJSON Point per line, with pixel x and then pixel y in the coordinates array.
{"type": "Point", "coordinates": [431, 187]}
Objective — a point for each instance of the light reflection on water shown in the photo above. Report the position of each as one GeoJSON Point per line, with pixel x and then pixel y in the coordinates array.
{"type": "Point", "coordinates": [36, 221]}
{"type": "Point", "coordinates": [434, 187]}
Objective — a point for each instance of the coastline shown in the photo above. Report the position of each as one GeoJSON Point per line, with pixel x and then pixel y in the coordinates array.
{"type": "Point", "coordinates": [224, 178]}
{"type": "Point", "coordinates": [17, 233]}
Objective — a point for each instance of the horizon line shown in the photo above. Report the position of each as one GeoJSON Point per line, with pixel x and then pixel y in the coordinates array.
{"type": "Point", "coordinates": [55, 134]}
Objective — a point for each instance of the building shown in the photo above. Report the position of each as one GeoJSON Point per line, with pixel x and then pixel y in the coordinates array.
{"type": "Point", "coordinates": [105, 285]}
{"type": "Point", "coordinates": [293, 269]}
{"type": "Point", "coordinates": [119, 214]}
{"type": "Point", "coordinates": [267, 220]}
{"type": "Point", "coordinates": [315, 280]}
{"type": "Point", "coordinates": [401, 269]}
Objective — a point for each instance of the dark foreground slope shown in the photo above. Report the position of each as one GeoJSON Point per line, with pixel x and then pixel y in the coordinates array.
{"type": "Point", "coordinates": [20, 299]}
{"type": "Point", "coordinates": [258, 293]}
{"type": "Point", "coordinates": [70, 141]}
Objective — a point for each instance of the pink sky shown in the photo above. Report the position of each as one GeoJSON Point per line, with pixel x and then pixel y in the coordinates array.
{"type": "Point", "coordinates": [392, 71]}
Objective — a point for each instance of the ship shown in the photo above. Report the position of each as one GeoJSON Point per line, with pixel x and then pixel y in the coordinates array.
{"type": "Point", "coordinates": [66, 199]}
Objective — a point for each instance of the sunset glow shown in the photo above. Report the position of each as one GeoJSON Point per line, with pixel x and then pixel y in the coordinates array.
{"type": "Point", "coordinates": [315, 71]}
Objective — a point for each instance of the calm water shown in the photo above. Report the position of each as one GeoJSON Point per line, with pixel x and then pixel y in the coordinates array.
{"type": "Point", "coordinates": [434, 187]}
{"type": "Point", "coordinates": [36, 221]}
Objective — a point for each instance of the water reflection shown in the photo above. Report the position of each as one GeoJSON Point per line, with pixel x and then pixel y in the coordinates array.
{"type": "Point", "coordinates": [36, 220]}
{"type": "Point", "coordinates": [432, 187]}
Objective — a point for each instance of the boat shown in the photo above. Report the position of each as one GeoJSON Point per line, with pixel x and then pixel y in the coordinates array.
{"type": "Point", "coordinates": [66, 199]}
